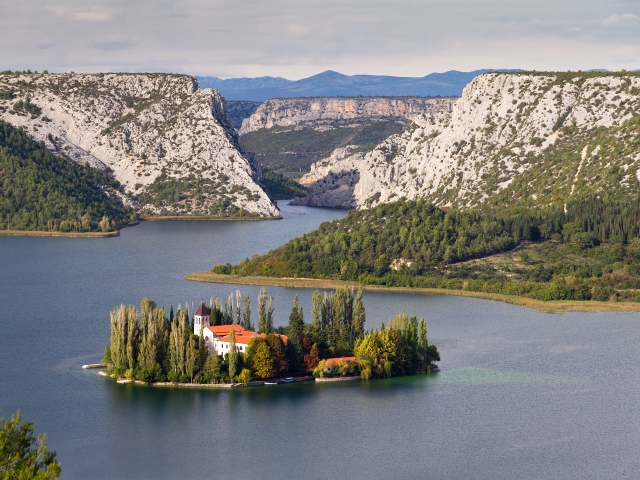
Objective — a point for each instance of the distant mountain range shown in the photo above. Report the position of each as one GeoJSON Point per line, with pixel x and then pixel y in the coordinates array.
{"type": "Point", "coordinates": [331, 84]}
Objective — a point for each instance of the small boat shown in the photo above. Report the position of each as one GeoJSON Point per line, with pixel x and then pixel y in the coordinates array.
{"type": "Point", "coordinates": [286, 380]}
{"type": "Point", "coordinates": [270, 383]}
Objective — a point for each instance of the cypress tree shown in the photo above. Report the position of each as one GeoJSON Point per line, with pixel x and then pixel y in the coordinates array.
{"type": "Point", "coordinates": [262, 311]}
{"type": "Point", "coordinates": [238, 310]}
{"type": "Point", "coordinates": [316, 308]}
{"type": "Point", "coordinates": [359, 317]}
{"type": "Point", "coordinates": [269, 322]}
{"type": "Point", "coordinates": [296, 328]}
{"type": "Point", "coordinates": [422, 334]}
{"type": "Point", "coordinates": [247, 312]}
{"type": "Point", "coordinates": [233, 355]}
{"type": "Point", "coordinates": [191, 357]}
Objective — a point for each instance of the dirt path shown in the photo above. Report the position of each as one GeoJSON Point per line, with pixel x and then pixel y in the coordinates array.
{"type": "Point", "coordinates": [575, 178]}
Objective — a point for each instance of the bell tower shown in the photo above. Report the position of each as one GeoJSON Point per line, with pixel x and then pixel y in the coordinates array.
{"type": "Point", "coordinates": [201, 319]}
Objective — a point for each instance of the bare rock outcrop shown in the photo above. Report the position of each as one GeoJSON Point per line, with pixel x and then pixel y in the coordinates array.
{"type": "Point", "coordinates": [167, 141]}
{"type": "Point", "coordinates": [285, 112]}
{"type": "Point", "coordinates": [497, 132]}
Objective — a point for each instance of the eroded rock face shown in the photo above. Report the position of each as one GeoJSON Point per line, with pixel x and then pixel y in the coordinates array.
{"type": "Point", "coordinates": [497, 132]}
{"type": "Point", "coordinates": [166, 141]}
{"type": "Point", "coordinates": [332, 181]}
{"type": "Point", "coordinates": [285, 112]}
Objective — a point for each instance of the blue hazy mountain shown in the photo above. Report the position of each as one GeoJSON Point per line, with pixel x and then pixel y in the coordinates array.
{"type": "Point", "coordinates": [331, 84]}
{"type": "Point", "coordinates": [234, 84]}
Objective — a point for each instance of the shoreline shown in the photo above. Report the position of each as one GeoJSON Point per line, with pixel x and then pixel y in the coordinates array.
{"type": "Point", "coordinates": [253, 383]}
{"type": "Point", "coordinates": [164, 218]}
{"type": "Point", "coordinates": [554, 306]}
{"type": "Point", "coordinates": [38, 233]}
{"type": "Point", "coordinates": [116, 233]}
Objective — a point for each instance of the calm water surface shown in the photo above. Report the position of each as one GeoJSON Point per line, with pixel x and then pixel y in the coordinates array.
{"type": "Point", "coordinates": [521, 394]}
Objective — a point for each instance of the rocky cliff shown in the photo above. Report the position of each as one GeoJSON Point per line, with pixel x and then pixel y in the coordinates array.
{"type": "Point", "coordinates": [168, 143]}
{"type": "Point", "coordinates": [285, 112]}
{"type": "Point", "coordinates": [526, 138]}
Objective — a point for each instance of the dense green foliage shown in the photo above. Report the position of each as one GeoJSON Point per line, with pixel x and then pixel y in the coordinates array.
{"type": "Point", "coordinates": [280, 187]}
{"type": "Point", "coordinates": [416, 244]}
{"type": "Point", "coordinates": [399, 348]}
{"type": "Point", "coordinates": [24, 456]}
{"type": "Point", "coordinates": [286, 149]}
{"type": "Point", "coordinates": [42, 191]}
{"type": "Point", "coordinates": [148, 346]}
{"type": "Point", "coordinates": [167, 193]}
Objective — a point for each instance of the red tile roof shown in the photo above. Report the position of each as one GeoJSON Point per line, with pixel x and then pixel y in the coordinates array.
{"type": "Point", "coordinates": [221, 330]}
{"type": "Point", "coordinates": [332, 362]}
{"type": "Point", "coordinates": [245, 336]}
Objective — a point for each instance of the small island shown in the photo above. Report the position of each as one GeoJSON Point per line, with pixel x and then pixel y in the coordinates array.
{"type": "Point", "coordinates": [217, 345]}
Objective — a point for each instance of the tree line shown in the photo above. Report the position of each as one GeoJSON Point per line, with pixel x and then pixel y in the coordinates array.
{"type": "Point", "coordinates": [413, 243]}
{"type": "Point", "coordinates": [47, 192]}
{"type": "Point", "coordinates": [148, 345]}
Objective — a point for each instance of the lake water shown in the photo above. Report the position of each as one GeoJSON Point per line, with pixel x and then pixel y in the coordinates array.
{"type": "Point", "coordinates": [521, 394]}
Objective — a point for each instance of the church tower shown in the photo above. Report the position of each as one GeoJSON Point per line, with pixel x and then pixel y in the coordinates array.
{"type": "Point", "coordinates": [201, 319]}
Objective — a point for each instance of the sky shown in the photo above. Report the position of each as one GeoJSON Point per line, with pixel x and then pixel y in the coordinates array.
{"type": "Point", "coordinates": [298, 38]}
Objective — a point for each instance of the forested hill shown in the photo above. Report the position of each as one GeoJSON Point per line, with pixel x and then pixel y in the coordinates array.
{"type": "Point", "coordinates": [415, 244]}
{"type": "Point", "coordinates": [42, 191]}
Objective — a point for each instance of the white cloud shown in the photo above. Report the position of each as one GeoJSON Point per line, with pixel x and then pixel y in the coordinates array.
{"type": "Point", "coordinates": [294, 39]}
{"type": "Point", "coordinates": [96, 14]}
{"type": "Point", "coordinates": [626, 19]}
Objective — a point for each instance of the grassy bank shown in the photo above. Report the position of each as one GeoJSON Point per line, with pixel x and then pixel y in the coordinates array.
{"type": "Point", "coordinates": [555, 306]}
{"type": "Point", "coordinates": [36, 233]}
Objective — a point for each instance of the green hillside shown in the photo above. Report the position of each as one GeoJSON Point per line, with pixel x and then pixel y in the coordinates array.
{"type": "Point", "coordinates": [46, 192]}
{"type": "Point", "coordinates": [600, 161]}
{"type": "Point", "coordinates": [287, 149]}
{"type": "Point", "coordinates": [415, 244]}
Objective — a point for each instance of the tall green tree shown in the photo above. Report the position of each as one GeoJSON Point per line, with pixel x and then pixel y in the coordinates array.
{"type": "Point", "coordinates": [177, 347]}
{"type": "Point", "coordinates": [359, 317]}
{"type": "Point", "coordinates": [24, 456]}
{"type": "Point", "coordinates": [262, 310]}
{"type": "Point", "coordinates": [422, 334]}
{"type": "Point", "coordinates": [192, 357]}
{"type": "Point", "coordinates": [247, 313]}
{"type": "Point", "coordinates": [278, 354]}
{"type": "Point", "coordinates": [232, 358]}
{"type": "Point", "coordinates": [260, 358]}
{"type": "Point", "coordinates": [238, 309]}
{"type": "Point", "coordinates": [316, 308]}
{"type": "Point", "coordinates": [326, 319]}
{"type": "Point", "coordinates": [296, 329]}
{"type": "Point", "coordinates": [269, 323]}
{"type": "Point", "coordinates": [118, 339]}
{"type": "Point", "coordinates": [212, 368]}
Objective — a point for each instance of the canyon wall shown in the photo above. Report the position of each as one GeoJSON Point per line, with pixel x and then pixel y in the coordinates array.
{"type": "Point", "coordinates": [284, 112]}
{"type": "Point", "coordinates": [532, 138]}
{"type": "Point", "coordinates": [168, 142]}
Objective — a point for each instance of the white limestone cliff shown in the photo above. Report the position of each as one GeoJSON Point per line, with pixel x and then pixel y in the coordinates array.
{"type": "Point", "coordinates": [496, 132]}
{"type": "Point", "coordinates": [155, 131]}
{"type": "Point", "coordinates": [284, 112]}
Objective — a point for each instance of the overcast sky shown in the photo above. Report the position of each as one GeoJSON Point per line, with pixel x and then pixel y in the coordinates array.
{"type": "Point", "coordinates": [298, 38]}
